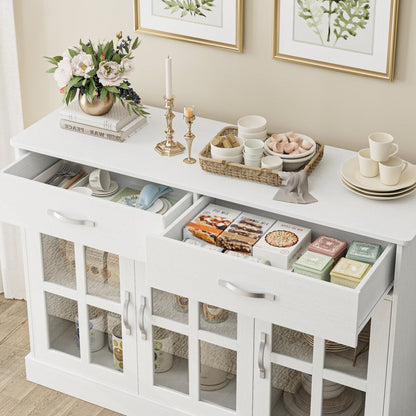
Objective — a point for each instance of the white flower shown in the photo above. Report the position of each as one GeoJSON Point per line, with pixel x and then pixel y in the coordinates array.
{"type": "Point", "coordinates": [96, 45]}
{"type": "Point", "coordinates": [63, 73]}
{"type": "Point", "coordinates": [126, 67]}
{"type": "Point", "coordinates": [110, 73]}
{"type": "Point", "coordinates": [82, 64]}
{"type": "Point", "coordinates": [66, 55]}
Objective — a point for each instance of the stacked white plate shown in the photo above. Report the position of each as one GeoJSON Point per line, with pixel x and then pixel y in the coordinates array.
{"type": "Point", "coordinates": [293, 162]}
{"type": "Point", "coordinates": [372, 188]}
{"type": "Point", "coordinates": [111, 191]}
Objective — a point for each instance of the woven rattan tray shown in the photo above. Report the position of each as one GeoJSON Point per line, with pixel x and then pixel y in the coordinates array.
{"type": "Point", "coordinates": [237, 170]}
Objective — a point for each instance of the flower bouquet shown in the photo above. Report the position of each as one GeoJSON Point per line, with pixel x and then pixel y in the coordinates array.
{"type": "Point", "coordinates": [99, 72]}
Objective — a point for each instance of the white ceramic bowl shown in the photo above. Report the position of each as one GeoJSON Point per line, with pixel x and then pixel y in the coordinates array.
{"type": "Point", "coordinates": [272, 162]}
{"type": "Point", "coordinates": [252, 124]}
{"type": "Point", "coordinates": [254, 163]}
{"type": "Point", "coordinates": [221, 152]}
{"type": "Point", "coordinates": [294, 164]}
{"type": "Point", "coordinates": [261, 135]}
{"type": "Point", "coordinates": [311, 151]}
{"type": "Point", "coordinates": [253, 146]}
{"type": "Point", "coordinates": [234, 159]}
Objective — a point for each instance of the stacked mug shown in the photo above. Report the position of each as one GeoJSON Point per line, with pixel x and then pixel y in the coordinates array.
{"type": "Point", "coordinates": [380, 159]}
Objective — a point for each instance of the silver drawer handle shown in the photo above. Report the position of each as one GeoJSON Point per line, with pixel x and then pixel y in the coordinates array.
{"type": "Point", "coordinates": [141, 317]}
{"type": "Point", "coordinates": [238, 291]}
{"type": "Point", "coordinates": [126, 312]}
{"type": "Point", "coordinates": [68, 220]}
{"type": "Point", "coordinates": [261, 355]}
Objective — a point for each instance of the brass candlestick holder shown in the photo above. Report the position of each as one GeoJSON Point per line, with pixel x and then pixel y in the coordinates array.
{"type": "Point", "coordinates": [169, 147]}
{"type": "Point", "coordinates": [189, 137]}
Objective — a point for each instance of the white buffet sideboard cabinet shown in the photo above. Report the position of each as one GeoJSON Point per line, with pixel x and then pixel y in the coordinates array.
{"type": "Point", "coordinates": [95, 267]}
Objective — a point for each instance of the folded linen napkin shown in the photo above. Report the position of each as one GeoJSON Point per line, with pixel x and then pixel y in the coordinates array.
{"type": "Point", "coordinates": [150, 194]}
{"type": "Point", "coordinates": [294, 188]}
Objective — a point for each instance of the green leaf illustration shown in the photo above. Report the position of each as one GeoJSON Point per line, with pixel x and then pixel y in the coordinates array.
{"type": "Point", "coordinates": [191, 7]}
{"type": "Point", "coordinates": [352, 16]}
{"type": "Point", "coordinates": [312, 12]}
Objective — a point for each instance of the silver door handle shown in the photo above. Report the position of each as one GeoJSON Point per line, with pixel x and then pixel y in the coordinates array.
{"type": "Point", "coordinates": [126, 312]}
{"type": "Point", "coordinates": [238, 291]}
{"type": "Point", "coordinates": [69, 220]}
{"type": "Point", "coordinates": [262, 347]}
{"type": "Point", "coordinates": [141, 317]}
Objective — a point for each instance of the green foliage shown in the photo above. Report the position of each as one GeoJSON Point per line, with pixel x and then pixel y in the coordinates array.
{"type": "Point", "coordinates": [352, 16]}
{"type": "Point", "coordinates": [192, 7]}
{"type": "Point", "coordinates": [312, 12]}
{"type": "Point", "coordinates": [335, 18]}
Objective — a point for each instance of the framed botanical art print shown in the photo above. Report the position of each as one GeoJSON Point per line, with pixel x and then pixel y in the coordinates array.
{"type": "Point", "coordinates": [209, 22]}
{"type": "Point", "coordinates": [356, 36]}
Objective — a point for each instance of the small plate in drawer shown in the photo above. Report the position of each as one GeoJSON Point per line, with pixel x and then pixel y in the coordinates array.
{"type": "Point", "coordinates": [271, 294]}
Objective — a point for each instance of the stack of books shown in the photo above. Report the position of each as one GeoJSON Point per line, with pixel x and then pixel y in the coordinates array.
{"type": "Point", "coordinates": [116, 125]}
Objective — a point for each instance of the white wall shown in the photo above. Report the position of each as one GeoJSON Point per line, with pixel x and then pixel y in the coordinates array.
{"type": "Point", "coordinates": [336, 108]}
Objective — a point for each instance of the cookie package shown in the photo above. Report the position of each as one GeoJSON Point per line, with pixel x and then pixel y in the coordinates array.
{"type": "Point", "coordinates": [283, 244]}
{"type": "Point", "coordinates": [244, 232]}
{"type": "Point", "coordinates": [210, 223]}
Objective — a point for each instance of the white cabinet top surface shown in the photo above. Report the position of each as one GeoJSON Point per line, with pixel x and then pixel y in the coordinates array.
{"type": "Point", "coordinates": [393, 220]}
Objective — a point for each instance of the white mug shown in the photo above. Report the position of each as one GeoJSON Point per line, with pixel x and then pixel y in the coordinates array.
{"type": "Point", "coordinates": [382, 146]}
{"type": "Point", "coordinates": [368, 166]}
{"type": "Point", "coordinates": [391, 170]}
{"type": "Point", "coordinates": [100, 180]}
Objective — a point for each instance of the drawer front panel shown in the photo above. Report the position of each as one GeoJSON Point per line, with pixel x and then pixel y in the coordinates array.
{"type": "Point", "coordinates": [274, 295]}
{"type": "Point", "coordinates": [91, 221]}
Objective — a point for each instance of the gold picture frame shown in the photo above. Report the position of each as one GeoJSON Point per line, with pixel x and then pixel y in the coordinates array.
{"type": "Point", "coordinates": [379, 65]}
{"type": "Point", "coordinates": [229, 36]}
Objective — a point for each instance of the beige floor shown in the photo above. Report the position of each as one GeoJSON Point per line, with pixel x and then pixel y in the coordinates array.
{"type": "Point", "coordinates": [19, 397]}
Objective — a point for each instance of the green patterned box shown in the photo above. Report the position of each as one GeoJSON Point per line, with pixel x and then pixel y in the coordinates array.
{"type": "Point", "coordinates": [314, 265]}
{"type": "Point", "coordinates": [365, 252]}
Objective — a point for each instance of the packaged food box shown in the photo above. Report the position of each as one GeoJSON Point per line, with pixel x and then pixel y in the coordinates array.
{"type": "Point", "coordinates": [366, 252]}
{"type": "Point", "coordinates": [244, 232]}
{"type": "Point", "coordinates": [349, 272]}
{"type": "Point", "coordinates": [314, 265]}
{"type": "Point", "coordinates": [329, 246]}
{"type": "Point", "coordinates": [210, 223]}
{"type": "Point", "coordinates": [247, 257]}
{"type": "Point", "coordinates": [283, 244]}
{"type": "Point", "coordinates": [202, 244]}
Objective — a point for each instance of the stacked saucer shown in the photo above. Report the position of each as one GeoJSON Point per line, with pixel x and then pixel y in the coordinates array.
{"type": "Point", "coordinates": [372, 187]}
{"type": "Point", "coordinates": [109, 192]}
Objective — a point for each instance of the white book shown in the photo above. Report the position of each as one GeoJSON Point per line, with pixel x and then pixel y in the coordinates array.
{"type": "Point", "coordinates": [119, 136]}
{"type": "Point", "coordinates": [114, 120]}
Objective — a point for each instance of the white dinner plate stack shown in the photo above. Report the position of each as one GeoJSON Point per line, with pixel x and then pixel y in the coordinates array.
{"type": "Point", "coordinates": [372, 187]}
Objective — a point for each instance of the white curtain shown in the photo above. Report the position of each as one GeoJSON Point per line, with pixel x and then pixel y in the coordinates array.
{"type": "Point", "coordinates": [11, 122]}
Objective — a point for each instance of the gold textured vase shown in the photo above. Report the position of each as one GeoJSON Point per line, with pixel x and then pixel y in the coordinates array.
{"type": "Point", "coordinates": [98, 107]}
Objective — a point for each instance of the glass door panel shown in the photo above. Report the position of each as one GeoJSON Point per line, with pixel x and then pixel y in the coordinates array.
{"type": "Point", "coordinates": [58, 261]}
{"type": "Point", "coordinates": [290, 392]}
{"type": "Point", "coordinates": [105, 338]}
{"type": "Point", "coordinates": [218, 320]}
{"type": "Point", "coordinates": [170, 359]}
{"type": "Point", "coordinates": [103, 274]}
{"type": "Point", "coordinates": [342, 400]}
{"type": "Point", "coordinates": [292, 343]}
{"type": "Point", "coordinates": [62, 324]}
{"type": "Point", "coordinates": [218, 374]}
{"type": "Point", "coordinates": [170, 306]}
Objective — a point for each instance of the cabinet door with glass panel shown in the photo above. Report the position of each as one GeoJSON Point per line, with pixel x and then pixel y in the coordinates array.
{"type": "Point", "coordinates": [82, 301]}
{"type": "Point", "coordinates": [197, 357]}
{"type": "Point", "coordinates": [297, 374]}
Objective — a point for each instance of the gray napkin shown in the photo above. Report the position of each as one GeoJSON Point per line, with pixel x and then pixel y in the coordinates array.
{"type": "Point", "coordinates": [294, 188]}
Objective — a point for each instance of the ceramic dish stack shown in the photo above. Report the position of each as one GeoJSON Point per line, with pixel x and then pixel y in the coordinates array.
{"type": "Point", "coordinates": [292, 162]}
{"type": "Point", "coordinates": [252, 127]}
{"type": "Point", "coordinates": [372, 187]}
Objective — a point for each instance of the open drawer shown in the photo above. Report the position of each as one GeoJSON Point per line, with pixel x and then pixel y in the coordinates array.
{"type": "Point", "coordinates": [268, 293]}
{"type": "Point", "coordinates": [95, 222]}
